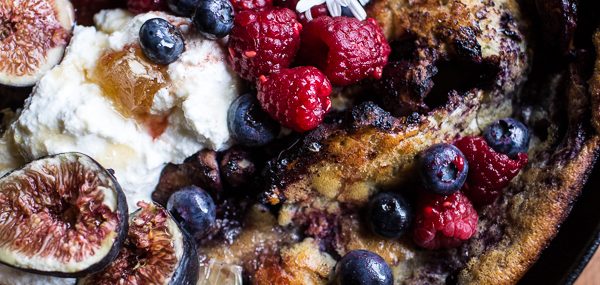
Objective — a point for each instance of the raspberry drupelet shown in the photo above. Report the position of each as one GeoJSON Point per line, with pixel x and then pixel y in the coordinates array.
{"type": "Point", "coordinates": [444, 221]}
{"type": "Point", "coordinates": [490, 171]}
{"type": "Point", "coordinates": [297, 98]}
{"type": "Point", "coordinates": [346, 49]}
{"type": "Point", "coordinates": [243, 5]}
{"type": "Point", "coordinates": [263, 42]}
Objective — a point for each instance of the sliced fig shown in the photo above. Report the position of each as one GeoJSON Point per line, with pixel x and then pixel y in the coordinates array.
{"type": "Point", "coordinates": [62, 215]}
{"type": "Point", "coordinates": [33, 38]}
{"type": "Point", "coordinates": [156, 251]}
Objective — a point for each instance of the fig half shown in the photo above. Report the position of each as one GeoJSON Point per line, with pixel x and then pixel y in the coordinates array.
{"type": "Point", "coordinates": [156, 251]}
{"type": "Point", "coordinates": [62, 215]}
{"type": "Point", "coordinates": [33, 38]}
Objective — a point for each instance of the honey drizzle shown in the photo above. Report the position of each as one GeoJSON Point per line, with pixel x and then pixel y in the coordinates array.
{"type": "Point", "coordinates": [130, 81]}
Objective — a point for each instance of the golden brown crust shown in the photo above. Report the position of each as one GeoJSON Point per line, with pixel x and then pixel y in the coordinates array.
{"type": "Point", "coordinates": [302, 263]}
{"type": "Point", "coordinates": [333, 171]}
{"type": "Point", "coordinates": [354, 164]}
{"type": "Point", "coordinates": [438, 21]}
{"type": "Point", "coordinates": [351, 164]}
{"type": "Point", "coordinates": [541, 198]}
{"type": "Point", "coordinates": [346, 165]}
{"type": "Point", "coordinates": [595, 87]}
{"type": "Point", "coordinates": [535, 214]}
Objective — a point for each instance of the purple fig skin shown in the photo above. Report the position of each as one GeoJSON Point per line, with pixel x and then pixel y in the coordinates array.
{"type": "Point", "coordinates": [188, 270]}
{"type": "Point", "coordinates": [188, 267]}
{"type": "Point", "coordinates": [122, 227]}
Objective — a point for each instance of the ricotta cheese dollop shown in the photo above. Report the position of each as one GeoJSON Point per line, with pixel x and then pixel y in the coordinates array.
{"type": "Point", "coordinates": [69, 112]}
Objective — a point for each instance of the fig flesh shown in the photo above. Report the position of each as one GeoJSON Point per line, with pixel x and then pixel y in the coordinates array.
{"type": "Point", "coordinates": [33, 38]}
{"type": "Point", "coordinates": [156, 251]}
{"type": "Point", "coordinates": [62, 215]}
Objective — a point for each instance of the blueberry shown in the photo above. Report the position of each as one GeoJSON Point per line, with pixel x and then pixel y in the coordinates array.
{"type": "Point", "coordinates": [361, 267]}
{"type": "Point", "coordinates": [443, 169]}
{"type": "Point", "coordinates": [194, 209]}
{"type": "Point", "coordinates": [389, 215]}
{"type": "Point", "coordinates": [248, 124]}
{"type": "Point", "coordinates": [184, 8]}
{"type": "Point", "coordinates": [507, 136]}
{"type": "Point", "coordinates": [346, 12]}
{"type": "Point", "coordinates": [214, 18]}
{"type": "Point", "coordinates": [161, 42]}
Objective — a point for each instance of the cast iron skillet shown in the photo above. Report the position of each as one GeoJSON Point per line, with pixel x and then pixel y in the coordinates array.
{"type": "Point", "coordinates": [579, 236]}
{"type": "Point", "coordinates": [575, 244]}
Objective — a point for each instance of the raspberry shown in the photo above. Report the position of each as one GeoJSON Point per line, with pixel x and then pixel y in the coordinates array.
{"type": "Point", "coordinates": [263, 42]}
{"type": "Point", "coordinates": [346, 49]}
{"type": "Point", "coordinates": [489, 171]}
{"type": "Point", "coordinates": [298, 98]}
{"type": "Point", "coordinates": [242, 5]}
{"type": "Point", "coordinates": [444, 221]}
{"type": "Point", "coordinates": [142, 6]}
{"type": "Point", "coordinates": [86, 9]}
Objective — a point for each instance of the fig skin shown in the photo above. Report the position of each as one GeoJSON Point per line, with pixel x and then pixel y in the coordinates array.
{"type": "Point", "coordinates": [188, 267]}
{"type": "Point", "coordinates": [50, 49]}
{"type": "Point", "coordinates": [123, 213]}
{"type": "Point", "coordinates": [122, 228]}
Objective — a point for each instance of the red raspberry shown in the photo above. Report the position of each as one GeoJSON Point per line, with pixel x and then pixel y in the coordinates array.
{"type": "Point", "coordinates": [444, 221]}
{"type": "Point", "coordinates": [243, 5]}
{"type": "Point", "coordinates": [489, 171]}
{"type": "Point", "coordinates": [263, 42]}
{"type": "Point", "coordinates": [298, 98]}
{"type": "Point", "coordinates": [86, 9]}
{"type": "Point", "coordinates": [143, 6]}
{"type": "Point", "coordinates": [346, 49]}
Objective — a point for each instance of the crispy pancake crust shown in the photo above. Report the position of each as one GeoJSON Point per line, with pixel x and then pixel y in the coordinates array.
{"type": "Point", "coordinates": [541, 198]}
{"type": "Point", "coordinates": [322, 182]}
{"type": "Point", "coordinates": [352, 161]}
{"type": "Point", "coordinates": [595, 87]}
{"type": "Point", "coordinates": [347, 162]}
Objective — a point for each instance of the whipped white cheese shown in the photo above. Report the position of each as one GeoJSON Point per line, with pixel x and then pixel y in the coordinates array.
{"type": "Point", "coordinates": [68, 112]}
